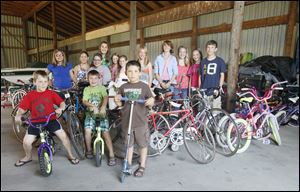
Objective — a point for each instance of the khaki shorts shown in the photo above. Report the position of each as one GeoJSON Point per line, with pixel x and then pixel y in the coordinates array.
{"type": "Point", "coordinates": [139, 136]}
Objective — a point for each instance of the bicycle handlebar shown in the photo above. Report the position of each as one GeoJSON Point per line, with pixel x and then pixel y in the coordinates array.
{"type": "Point", "coordinates": [29, 121]}
{"type": "Point", "coordinates": [268, 95]}
{"type": "Point", "coordinates": [142, 101]}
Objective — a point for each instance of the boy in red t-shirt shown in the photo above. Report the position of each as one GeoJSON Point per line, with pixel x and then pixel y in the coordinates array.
{"type": "Point", "coordinates": [40, 103]}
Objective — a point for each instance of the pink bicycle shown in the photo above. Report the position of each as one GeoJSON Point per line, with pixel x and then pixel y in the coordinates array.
{"type": "Point", "coordinates": [260, 123]}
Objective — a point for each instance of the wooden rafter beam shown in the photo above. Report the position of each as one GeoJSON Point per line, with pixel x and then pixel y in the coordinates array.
{"type": "Point", "coordinates": [36, 8]}
{"type": "Point", "coordinates": [183, 10]}
{"type": "Point", "coordinates": [109, 11]}
{"type": "Point", "coordinates": [60, 30]}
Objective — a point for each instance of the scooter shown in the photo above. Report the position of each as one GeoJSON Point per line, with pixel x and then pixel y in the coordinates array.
{"type": "Point", "coordinates": [125, 168]}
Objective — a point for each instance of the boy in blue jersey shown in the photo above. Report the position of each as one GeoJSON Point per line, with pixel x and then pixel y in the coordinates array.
{"type": "Point", "coordinates": [211, 73]}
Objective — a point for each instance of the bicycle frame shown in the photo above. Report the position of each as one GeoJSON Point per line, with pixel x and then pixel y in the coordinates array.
{"type": "Point", "coordinates": [44, 143]}
{"type": "Point", "coordinates": [187, 113]}
{"type": "Point", "coordinates": [43, 135]}
{"type": "Point", "coordinates": [264, 108]}
{"type": "Point", "coordinates": [98, 137]}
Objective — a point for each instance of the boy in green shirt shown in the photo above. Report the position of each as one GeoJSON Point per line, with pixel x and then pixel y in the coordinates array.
{"type": "Point", "coordinates": [95, 99]}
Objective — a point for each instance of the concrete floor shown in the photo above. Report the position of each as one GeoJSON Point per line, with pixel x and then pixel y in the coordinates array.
{"type": "Point", "coordinates": [261, 167]}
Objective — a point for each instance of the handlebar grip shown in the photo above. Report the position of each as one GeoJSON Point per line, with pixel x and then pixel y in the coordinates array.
{"type": "Point", "coordinates": [246, 89]}
{"type": "Point", "coordinates": [243, 94]}
{"type": "Point", "coordinates": [281, 82]}
{"type": "Point", "coordinates": [278, 88]}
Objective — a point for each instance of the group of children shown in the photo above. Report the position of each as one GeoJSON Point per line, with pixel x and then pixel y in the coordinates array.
{"type": "Point", "coordinates": [132, 79]}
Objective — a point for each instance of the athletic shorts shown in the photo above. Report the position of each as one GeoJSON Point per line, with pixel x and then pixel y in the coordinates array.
{"type": "Point", "coordinates": [52, 126]}
{"type": "Point", "coordinates": [90, 123]}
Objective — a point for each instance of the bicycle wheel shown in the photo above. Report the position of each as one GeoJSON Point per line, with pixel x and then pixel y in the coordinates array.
{"type": "Point", "coordinates": [272, 122]}
{"type": "Point", "coordinates": [199, 142]}
{"type": "Point", "coordinates": [76, 134]}
{"type": "Point", "coordinates": [98, 155]}
{"type": "Point", "coordinates": [51, 142]}
{"type": "Point", "coordinates": [197, 104]}
{"type": "Point", "coordinates": [19, 130]}
{"type": "Point", "coordinates": [294, 120]}
{"type": "Point", "coordinates": [45, 163]}
{"type": "Point", "coordinates": [218, 121]}
{"type": "Point", "coordinates": [17, 96]}
{"type": "Point", "coordinates": [281, 117]}
{"type": "Point", "coordinates": [158, 142]}
{"type": "Point", "coordinates": [115, 131]}
{"type": "Point", "coordinates": [246, 134]}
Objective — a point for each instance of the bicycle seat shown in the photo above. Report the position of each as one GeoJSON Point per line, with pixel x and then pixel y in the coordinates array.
{"type": "Point", "coordinates": [294, 99]}
{"type": "Point", "coordinates": [246, 99]}
{"type": "Point", "coordinates": [83, 84]}
{"type": "Point", "coordinates": [159, 91]}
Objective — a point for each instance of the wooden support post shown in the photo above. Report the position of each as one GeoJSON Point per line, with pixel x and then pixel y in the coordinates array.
{"type": "Point", "coordinates": [290, 28]}
{"type": "Point", "coordinates": [67, 53]}
{"type": "Point", "coordinates": [25, 40]}
{"type": "Point", "coordinates": [36, 38]}
{"type": "Point", "coordinates": [83, 25]}
{"type": "Point", "coordinates": [54, 33]}
{"type": "Point", "coordinates": [194, 33]}
{"type": "Point", "coordinates": [132, 44]}
{"type": "Point", "coordinates": [234, 52]}
{"type": "Point", "coordinates": [142, 37]}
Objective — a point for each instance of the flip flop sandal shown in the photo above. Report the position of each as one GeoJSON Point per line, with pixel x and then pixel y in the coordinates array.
{"type": "Point", "coordinates": [74, 161]}
{"type": "Point", "coordinates": [21, 163]}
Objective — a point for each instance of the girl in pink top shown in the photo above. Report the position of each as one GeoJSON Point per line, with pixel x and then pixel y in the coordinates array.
{"type": "Point", "coordinates": [194, 68]}
{"type": "Point", "coordinates": [114, 66]}
{"type": "Point", "coordinates": [182, 79]}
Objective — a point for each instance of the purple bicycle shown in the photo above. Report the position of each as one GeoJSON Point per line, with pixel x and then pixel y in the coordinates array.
{"type": "Point", "coordinates": [46, 148]}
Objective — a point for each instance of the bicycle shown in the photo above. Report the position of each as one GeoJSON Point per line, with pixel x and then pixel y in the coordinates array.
{"type": "Point", "coordinates": [18, 95]}
{"type": "Point", "coordinates": [46, 148]}
{"type": "Point", "coordinates": [218, 121]}
{"type": "Point", "coordinates": [263, 124]}
{"type": "Point", "coordinates": [288, 113]}
{"type": "Point", "coordinates": [19, 130]}
{"type": "Point", "coordinates": [98, 143]}
{"type": "Point", "coordinates": [75, 129]}
{"type": "Point", "coordinates": [197, 138]}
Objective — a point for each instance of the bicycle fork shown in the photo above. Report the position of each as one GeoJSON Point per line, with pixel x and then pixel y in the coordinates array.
{"type": "Point", "coordinates": [98, 139]}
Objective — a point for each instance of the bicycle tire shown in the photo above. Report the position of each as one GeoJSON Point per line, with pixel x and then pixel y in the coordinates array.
{"type": "Point", "coordinates": [45, 163]}
{"type": "Point", "coordinates": [76, 134]}
{"type": "Point", "coordinates": [98, 155]}
{"type": "Point", "coordinates": [201, 136]}
{"type": "Point", "coordinates": [217, 124]}
{"type": "Point", "coordinates": [17, 96]}
{"type": "Point", "coordinates": [19, 130]}
{"type": "Point", "coordinates": [157, 135]}
{"type": "Point", "coordinates": [115, 131]}
{"type": "Point", "coordinates": [246, 135]}
{"type": "Point", "coordinates": [294, 121]}
{"type": "Point", "coordinates": [281, 117]}
{"type": "Point", "coordinates": [275, 129]}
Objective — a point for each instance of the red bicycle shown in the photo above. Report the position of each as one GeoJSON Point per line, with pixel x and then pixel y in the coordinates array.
{"type": "Point", "coordinates": [196, 137]}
